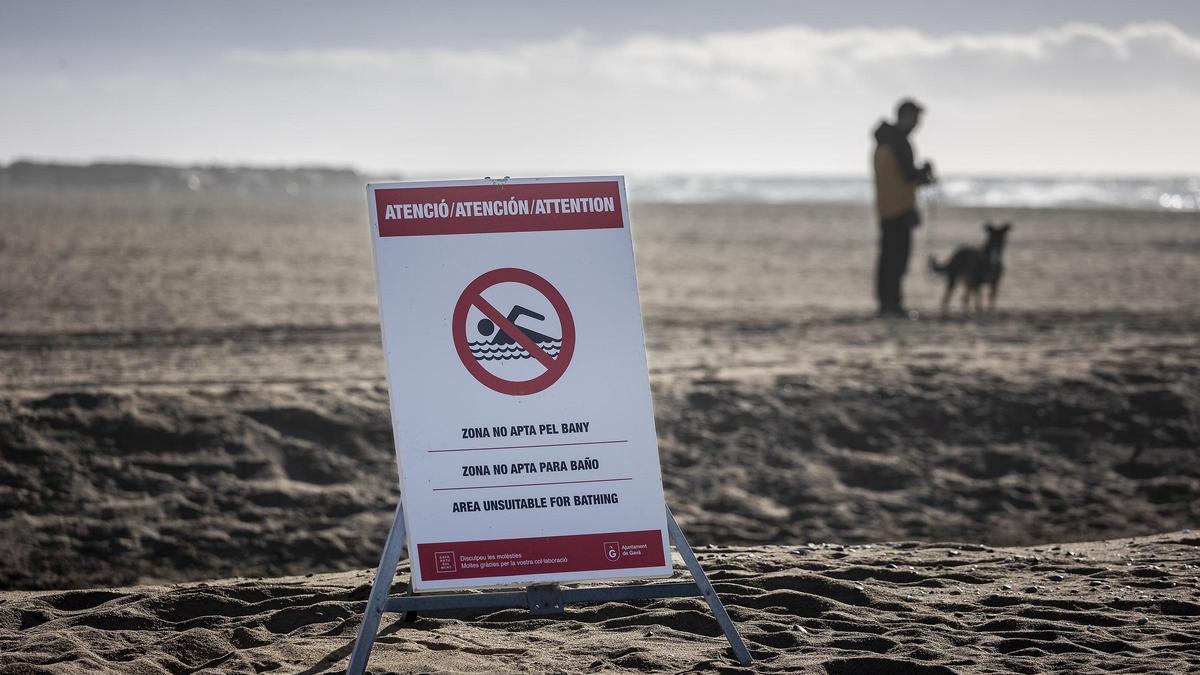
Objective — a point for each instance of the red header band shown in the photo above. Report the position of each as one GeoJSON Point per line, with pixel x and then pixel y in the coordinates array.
{"type": "Point", "coordinates": [480, 209]}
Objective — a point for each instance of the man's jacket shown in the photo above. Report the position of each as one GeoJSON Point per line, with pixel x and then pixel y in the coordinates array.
{"type": "Point", "coordinates": [896, 177]}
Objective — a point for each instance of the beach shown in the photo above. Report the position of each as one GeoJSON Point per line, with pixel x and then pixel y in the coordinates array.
{"type": "Point", "coordinates": [192, 389]}
{"type": "Point", "coordinates": [1131, 605]}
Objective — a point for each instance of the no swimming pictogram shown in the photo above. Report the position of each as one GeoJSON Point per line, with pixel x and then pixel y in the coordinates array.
{"type": "Point", "coordinates": [500, 358]}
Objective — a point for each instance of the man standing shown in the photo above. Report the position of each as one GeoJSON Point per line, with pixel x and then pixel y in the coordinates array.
{"type": "Point", "coordinates": [896, 180]}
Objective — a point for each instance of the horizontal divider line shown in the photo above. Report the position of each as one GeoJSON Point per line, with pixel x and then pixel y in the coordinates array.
{"type": "Point", "coordinates": [561, 482]}
{"type": "Point", "coordinates": [517, 447]}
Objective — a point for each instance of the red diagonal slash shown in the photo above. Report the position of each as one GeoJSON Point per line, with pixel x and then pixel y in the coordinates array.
{"type": "Point", "coordinates": [511, 329]}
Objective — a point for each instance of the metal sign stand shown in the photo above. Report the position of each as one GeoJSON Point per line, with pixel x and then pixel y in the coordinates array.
{"type": "Point", "coordinates": [539, 599]}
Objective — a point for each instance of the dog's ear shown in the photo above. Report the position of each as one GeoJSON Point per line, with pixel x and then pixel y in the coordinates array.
{"type": "Point", "coordinates": [989, 227]}
{"type": "Point", "coordinates": [1006, 227]}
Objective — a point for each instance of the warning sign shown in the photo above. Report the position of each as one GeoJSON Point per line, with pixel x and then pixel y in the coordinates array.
{"type": "Point", "coordinates": [517, 374]}
{"type": "Point", "coordinates": [505, 340]}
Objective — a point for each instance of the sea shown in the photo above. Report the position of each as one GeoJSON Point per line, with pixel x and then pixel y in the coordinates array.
{"type": "Point", "coordinates": [1173, 193]}
{"type": "Point", "coordinates": [1145, 193]}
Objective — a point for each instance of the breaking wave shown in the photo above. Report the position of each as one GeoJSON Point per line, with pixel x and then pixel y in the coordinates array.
{"type": "Point", "coordinates": [1154, 193]}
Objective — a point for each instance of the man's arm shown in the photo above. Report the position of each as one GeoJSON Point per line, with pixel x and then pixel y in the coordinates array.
{"type": "Point", "coordinates": [904, 157]}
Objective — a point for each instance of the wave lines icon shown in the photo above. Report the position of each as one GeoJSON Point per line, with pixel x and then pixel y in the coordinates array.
{"type": "Point", "coordinates": [486, 351]}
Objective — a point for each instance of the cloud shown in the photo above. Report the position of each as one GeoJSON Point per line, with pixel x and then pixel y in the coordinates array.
{"type": "Point", "coordinates": [1071, 58]}
{"type": "Point", "coordinates": [1071, 98]}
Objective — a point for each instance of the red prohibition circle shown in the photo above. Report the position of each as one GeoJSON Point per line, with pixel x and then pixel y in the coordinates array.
{"type": "Point", "coordinates": [472, 297]}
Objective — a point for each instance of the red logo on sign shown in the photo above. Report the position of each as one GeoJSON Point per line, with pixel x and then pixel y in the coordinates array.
{"type": "Point", "coordinates": [507, 339]}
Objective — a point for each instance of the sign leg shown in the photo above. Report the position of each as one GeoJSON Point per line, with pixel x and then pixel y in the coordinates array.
{"type": "Point", "coordinates": [710, 595]}
{"type": "Point", "coordinates": [379, 595]}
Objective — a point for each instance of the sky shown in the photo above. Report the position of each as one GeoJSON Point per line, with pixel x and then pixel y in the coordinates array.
{"type": "Point", "coordinates": [519, 88]}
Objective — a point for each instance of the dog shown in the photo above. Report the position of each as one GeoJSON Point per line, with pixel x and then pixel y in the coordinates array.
{"type": "Point", "coordinates": [976, 268]}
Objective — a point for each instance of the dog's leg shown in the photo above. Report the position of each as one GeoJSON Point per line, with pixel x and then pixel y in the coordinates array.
{"type": "Point", "coordinates": [966, 298]}
{"type": "Point", "coordinates": [951, 280]}
{"type": "Point", "coordinates": [992, 290]}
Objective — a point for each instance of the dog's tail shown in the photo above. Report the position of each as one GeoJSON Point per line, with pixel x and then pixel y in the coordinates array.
{"type": "Point", "coordinates": [933, 265]}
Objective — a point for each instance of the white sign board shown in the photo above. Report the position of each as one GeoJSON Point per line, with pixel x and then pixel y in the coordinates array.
{"type": "Point", "coordinates": [517, 373]}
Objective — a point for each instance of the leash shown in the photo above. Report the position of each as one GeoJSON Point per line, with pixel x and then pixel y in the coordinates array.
{"type": "Point", "coordinates": [932, 198]}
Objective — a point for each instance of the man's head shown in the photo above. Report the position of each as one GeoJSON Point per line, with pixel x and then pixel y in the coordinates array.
{"type": "Point", "coordinates": [908, 115]}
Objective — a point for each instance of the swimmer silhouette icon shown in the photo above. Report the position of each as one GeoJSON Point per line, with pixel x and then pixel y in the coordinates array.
{"type": "Point", "coordinates": [486, 327]}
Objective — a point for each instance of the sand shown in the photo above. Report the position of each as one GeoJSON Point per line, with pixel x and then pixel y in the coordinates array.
{"type": "Point", "coordinates": [193, 389]}
{"type": "Point", "coordinates": [1126, 606]}
{"type": "Point", "coordinates": [1004, 431]}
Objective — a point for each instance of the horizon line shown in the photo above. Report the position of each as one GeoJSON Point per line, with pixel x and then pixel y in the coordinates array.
{"type": "Point", "coordinates": [516, 173]}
